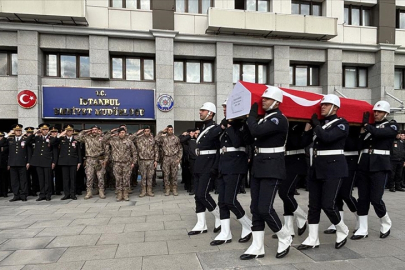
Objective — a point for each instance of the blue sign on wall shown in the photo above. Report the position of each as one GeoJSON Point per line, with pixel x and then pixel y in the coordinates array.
{"type": "Point", "coordinates": [97, 103]}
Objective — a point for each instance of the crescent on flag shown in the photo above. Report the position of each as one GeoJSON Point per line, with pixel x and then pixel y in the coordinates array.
{"type": "Point", "coordinates": [22, 99]}
{"type": "Point", "coordinates": [301, 101]}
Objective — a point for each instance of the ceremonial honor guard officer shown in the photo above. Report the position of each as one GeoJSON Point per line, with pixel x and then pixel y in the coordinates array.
{"type": "Point", "coordinates": [233, 166]}
{"type": "Point", "coordinates": [206, 169]}
{"type": "Point", "coordinates": [3, 165]}
{"type": "Point", "coordinates": [44, 159]}
{"type": "Point", "coordinates": [374, 168]}
{"type": "Point", "coordinates": [18, 163]}
{"type": "Point", "coordinates": [70, 159]}
{"type": "Point", "coordinates": [268, 170]}
{"type": "Point", "coordinates": [328, 168]}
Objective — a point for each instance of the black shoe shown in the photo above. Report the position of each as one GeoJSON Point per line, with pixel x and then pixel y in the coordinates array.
{"type": "Point", "coordinates": [40, 199]}
{"type": "Point", "coordinates": [358, 237]}
{"type": "Point", "coordinates": [220, 242]}
{"type": "Point", "coordinates": [197, 232]}
{"type": "Point", "coordinates": [340, 244]}
{"type": "Point", "coordinates": [58, 193]}
{"type": "Point", "coordinates": [282, 253]}
{"type": "Point", "coordinates": [302, 230]}
{"type": "Point", "coordinates": [73, 197]}
{"type": "Point", "coordinates": [245, 239]}
{"type": "Point", "coordinates": [217, 229]}
{"type": "Point", "coordinates": [400, 189]}
{"type": "Point", "coordinates": [392, 189]}
{"type": "Point", "coordinates": [249, 256]}
{"type": "Point", "coordinates": [296, 193]}
{"type": "Point", "coordinates": [191, 193]}
{"type": "Point", "coordinates": [274, 236]}
{"type": "Point", "coordinates": [48, 199]}
{"type": "Point", "coordinates": [329, 231]}
{"type": "Point", "coordinates": [65, 197]}
{"type": "Point", "coordinates": [304, 247]}
{"type": "Point", "coordinates": [384, 235]}
{"type": "Point", "coordinates": [14, 199]}
{"type": "Point", "coordinates": [24, 199]}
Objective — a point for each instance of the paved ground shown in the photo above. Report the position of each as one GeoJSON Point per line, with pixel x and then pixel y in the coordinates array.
{"type": "Point", "coordinates": [151, 233]}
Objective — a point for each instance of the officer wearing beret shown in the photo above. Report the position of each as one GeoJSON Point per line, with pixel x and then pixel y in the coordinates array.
{"type": "Point", "coordinates": [328, 168]}
{"type": "Point", "coordinates": [268, 170]}
{"type": "Point", "coordinates": [374, 167]}
{"type": "Point", "coordinates": [70, 159]}
{"type": "Point", "coordinates": [18, 163]}
{"type": "Point", "coordinates": [3, 165]}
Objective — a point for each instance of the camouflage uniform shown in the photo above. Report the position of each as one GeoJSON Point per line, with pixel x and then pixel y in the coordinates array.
{"type": "Point", "coordinates": [148, 153]}
{"type": "Point", "coordinates": [97, 153]}
{"type": "Point", "coordinates": [172, 154]}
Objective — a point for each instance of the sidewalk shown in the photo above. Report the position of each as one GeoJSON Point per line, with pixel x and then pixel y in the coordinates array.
{"type": "Point", "coordinates": [151, 233]}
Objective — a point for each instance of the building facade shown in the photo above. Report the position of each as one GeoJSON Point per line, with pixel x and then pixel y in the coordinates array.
{"type": "Point", "coordinates": [195, 50]}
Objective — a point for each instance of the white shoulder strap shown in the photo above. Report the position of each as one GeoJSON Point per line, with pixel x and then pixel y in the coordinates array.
{"type": "Point", "coordinates": [379, 126]}
{"type": "Point", "coordinates": [204, 132]}
{"type": "Point", "coordinates": [267, 116]}
{"type": "Point", "coordinates": [327, 125]}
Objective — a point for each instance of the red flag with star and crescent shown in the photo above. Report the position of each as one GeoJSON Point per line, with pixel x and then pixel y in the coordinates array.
{"type": "Point", "coordinates": [27, 99]}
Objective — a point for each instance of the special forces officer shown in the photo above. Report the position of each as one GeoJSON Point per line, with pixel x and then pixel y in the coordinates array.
{"type": "Point", "coordinates": [96, 158]}
{"type": "Point", "coordinates": [328, 169]}
{"type": "Point", "coordinates": [18, 163]}
{"type": "Point", "coordinates": [374, 168]}
{"type": "Point", "coordinates": [70, 159]}
{"type": "Point", "coordinates": [206, 169]}
{"type": "Point", "coordinates": [268, 169]}
{"type": "Point", "coordinates": [233, 166]}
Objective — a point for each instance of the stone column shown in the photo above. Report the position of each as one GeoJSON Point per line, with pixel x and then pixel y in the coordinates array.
{"type": "Point", "coordinates": [99, 57]}
{"type": "Point", "coordinates": [280, 66]}
{"type": "Point", "coordinates": [223, 75]}
{"type": "Point", "coordinates": [30, 69]}
{"type": "Point", "coordinates": [331, 72]}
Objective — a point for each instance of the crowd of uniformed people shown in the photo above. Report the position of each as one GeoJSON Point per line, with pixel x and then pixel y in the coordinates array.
{"type": "Point", "coordinates": [267, 153]}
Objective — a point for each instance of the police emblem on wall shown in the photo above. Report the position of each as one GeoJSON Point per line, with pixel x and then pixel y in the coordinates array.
{"type": "Point", "coordinates": [165, 103]}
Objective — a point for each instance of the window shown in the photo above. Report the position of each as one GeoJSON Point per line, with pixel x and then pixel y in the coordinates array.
{"type": "Point", "coordinates": [253, 5]}
{"type": "Point", "coordinates": [133, 4]}
{"type": "Point", "coordinates": [357, 15]}
{"type": "Point", "coordinates": [8, 64]}
{"type": "Point", "coordinates": [306, 8]}
{"type": "Point", "coordinates": [193, 71]}
{"type": "Point", "coordinates": [301, 75]}
{"type": "Point", "coordinates": [250, 72]}
{"type": "Point", "coordinates": [401, 19]}
{"type": "Point", "coordinates": [399, 79]}
{"type": "Point", "coordinates": [132, 68]}
{"type": "Point", "coordinates": [67, 65]}
{"type": "Point", "coordinates": [355, 77]}
{"type": "Point", "coordinates": [194, 6]}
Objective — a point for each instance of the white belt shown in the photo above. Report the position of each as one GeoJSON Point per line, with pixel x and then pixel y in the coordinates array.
{"type": "Point", "coordinates": [232, 149]}
{"type": "Point", "coordinates": [376, 152]}
{"type": "Point", "coordinates": [328, 152]}
{"type": "Point", "coordinates": [295, 152]}
{"type": "Point", "coordinates": [205, 152]}
{"type": "Point", "coordinates": [273, 150]}
{"type": "Point", "coordinates": [351, 153]}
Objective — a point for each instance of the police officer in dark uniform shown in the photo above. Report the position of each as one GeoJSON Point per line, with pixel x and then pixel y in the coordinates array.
{"type": "Point", "coordinates": [233, 166]}
{"type": "Point", "coordinates": [268, 170]}
{"type": "Point", "coordinates": [374, 167]}
{"type": "Point", "coordinates": [44, 159]}
{"type": "Point", "coordinates": [206, 169]}
{"type": "Point", "coordinates": [185, 172]}
{"type": "Point", "coordinates": [397, 164]}
{"type": "Point", "coordinates": [18, 163]}
{"type": "Point", "coordinates": [80, 176]}
{"type": "Point", "coordinates": [328, 169]}
{"type": "Point", "coordinates": [57, 172]}
{"type": "Point", "coordinates": [188, 141]}
{"type": "Point", "coordinates": [3, 165]}
{"type": "Point", "coordinates": [70, 159]}
{"type": "Point", "coordinates": [32, 179]}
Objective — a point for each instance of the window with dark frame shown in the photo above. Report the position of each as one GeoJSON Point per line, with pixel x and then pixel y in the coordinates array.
{"type": "Point", "coordinates": [194, 6]}
{"type": "Point", "coordinates": [399, 78]}
{"type": "Point", "coordinates": [400, 19]}
{"type": "Point", "coordinates": [250, 72]}
{"type": "Point", "coordinates": [253, 5]}
{"type": "Point", "coordinates": [355, 77]}
{"type": "Point", "coordinates": [191, 71]}
{"type": "Point", "coordinates": [8, 63]}
{"type": "Point", "coordinates": [306, 8]}
{"type": "Point", "coordinates": [66, 65]}
{"type": "Point", "coordinates": [132, 68]}
{"type": "Point", "coordinates": [357, 15]}
{"type": "Point", "coordinates": [131, 4]}
{"type": "Point", "coordinates": [303, 75]}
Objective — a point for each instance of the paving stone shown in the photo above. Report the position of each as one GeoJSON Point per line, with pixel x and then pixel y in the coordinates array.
{"type": "Point", "coordinates": [42, 217]}
{"type": "Point", "coordinates": [89, 253]}
{"type": "Point", "coordinates": [172, 262]}
{"type": "Point", "coordinates": [4, 254]}
{"type": "Point", "coordinates": [224, 259]}
{"type": "Point", "coordinates": [189, 246]}
{"type": "Point", "coordinates": [114, 214]}
{"type": "Point", "coordinates": [374, 248]}
{"type": "Point", "coordinates": [74, 241]}
{"type": "Point", "coordinates": [163, 218]}
{"type": "Point", "coordinates": [53, 266]}
{"type": "Point", "coordinates": [12, 267]}
{"type": "Point", "coordinates": [138, 227]}
{"type": "Point", "coordinates": [135, 213]}
{"type": "Point", "coordinates": [391, 263]}
{"type": "Point", "coordinates": [164, 235]}
{"type": "Point", "coordinates": [114, 264]}
{"type": "Point", "coordinates": [51, 223]}
{"type": "Point", "coordinates": [90, 221]}
{"type": "Point", "coordinates": [116, 228]}
{"type": "Point", "coordinates": [127, 220]}
{"type": "Point", "coordinates": [339, 265]}
{"type": "Point", "coordinates": [55, 231]}
{"type": "Point", "coordinates": [20, 233]}
{"type": "Point", "coordinates": [26, 243]}
{"type": "Point", "coordinates": [80, 215]}
{"type": "Point", "coordinates": [141, 249]}
{"type": "Point", "coordinates": [329, 253]}
{"type": "Point", "coordinates": [16, 225]}
{"type": "Point", "coordinates": [21, 257]}
{"type": "Point", "coordinates": [122, 238]}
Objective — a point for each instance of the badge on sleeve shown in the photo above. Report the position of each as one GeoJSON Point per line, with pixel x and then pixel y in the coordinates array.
{"type": "Point", "coordinates": [342, 127]}
{"type": "Point", "coordinates": [394, 127]}
{"type": "Point", "coordinates": [275, 120]}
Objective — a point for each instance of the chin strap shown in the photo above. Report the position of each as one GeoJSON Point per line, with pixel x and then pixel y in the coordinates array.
{"type": "Point", "coordinates": [272, 105]}
{"type": "Point", "coordinates": [209, 113]}
{"type": "Point", "coordinates": [330, 111]}
{"type": "Point", "coordinates": [385, 116]}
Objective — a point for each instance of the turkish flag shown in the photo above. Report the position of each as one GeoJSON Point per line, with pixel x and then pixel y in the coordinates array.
{"type": "Point", "coordinates": [296, 104]}
{"type": "Point", "coordinates": [27, 99]}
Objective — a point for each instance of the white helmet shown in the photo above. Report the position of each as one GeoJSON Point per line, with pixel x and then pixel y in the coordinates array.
{"type": "Point", "coordinates": [273, 93]}
{"type": "Point", "coordinates": [224, 103]}
{"type": "Point", "coordinates": [331, 99]}
{"type": "Point", "coordinates": [209, 106]}
{"type": "Point", "coordinates": [383, 106]}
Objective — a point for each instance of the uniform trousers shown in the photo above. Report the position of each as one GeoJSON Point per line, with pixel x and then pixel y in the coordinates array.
{"type": "Point", "coordinates": [147, 169]}
{"type": "Point", "coordinates": [170, 168]}
{"type": "Point", "coordinates": [91, 170]}
{"type": "Point", "coordinates": [45, 182]}
{"type": "Point", "coordinates": [286, 192]}
{"type": "Point", "coordinates": [3, 182]}
{"type": "Point", "coordinates": [18, 177]}
{"type": "Point", "coordinates": [122, 172]}
{"type": "Point", "coordinates": [345, 193]}
{"type": "Point", "coordinates": [396, 174]}
{"type": "Point", "coordinates": [203, 183]}
{"type": "Point", "coordinates": [371, 190]}
{"type": "Point", "coordinates": [69, 180]}
{"type": "Point", "coordinates": [263, 192]}
{"type": "Point", "coordinates": [228, 188]}
{"type": "Point", "coordinates": [191, 163]}
{"type": "Point", "coordinates": [322, 196]}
